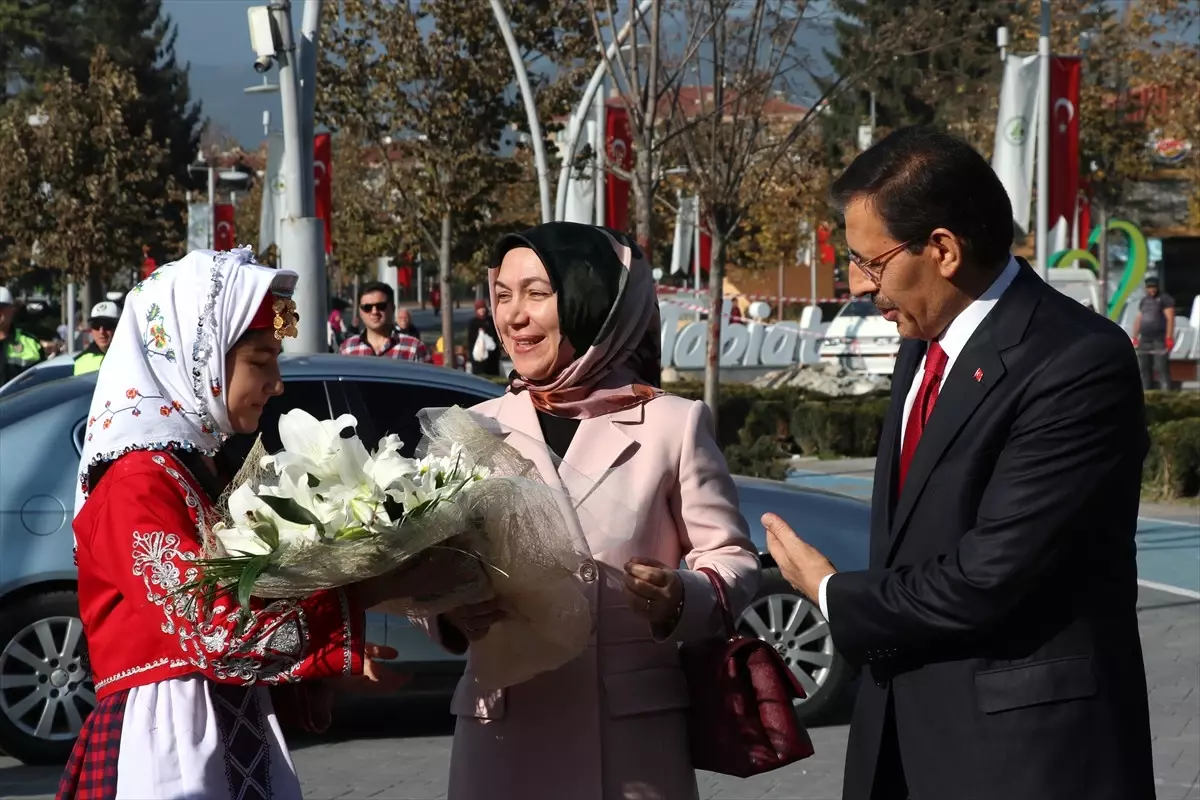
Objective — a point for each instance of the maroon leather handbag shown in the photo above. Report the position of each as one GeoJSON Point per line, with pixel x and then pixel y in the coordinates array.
{"type": "Point", "coordinates": [743, 721]}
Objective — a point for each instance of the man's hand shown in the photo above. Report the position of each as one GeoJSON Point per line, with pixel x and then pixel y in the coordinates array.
{"type": "Point", "coordinates": [802, 565]}
{"type": "Point", "coordinates": [1170, 344]}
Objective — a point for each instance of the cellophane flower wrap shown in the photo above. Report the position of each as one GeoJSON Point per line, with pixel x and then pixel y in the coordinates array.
{"type": "Point", "coordinates": [469, 520]}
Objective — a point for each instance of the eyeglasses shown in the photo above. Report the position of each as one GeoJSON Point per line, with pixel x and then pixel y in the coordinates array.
{"type": "Point", "coordinates": [104, 326]}
{"type": "Point", "coordinates": [367, 308]}
{"type": "Point", "coordinates": [880, 261]}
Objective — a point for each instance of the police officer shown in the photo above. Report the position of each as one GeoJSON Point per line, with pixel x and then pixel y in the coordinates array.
{"type": "Point", "coordinates": [102, 322]}
{"type": "Point", "coordinates": [18, 350]}
{"type": "Point", "coordinates": [1154, 335]}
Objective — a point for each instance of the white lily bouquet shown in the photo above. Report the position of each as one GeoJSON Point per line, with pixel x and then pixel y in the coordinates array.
{"type": "Point", "coordinates": [325, 512]}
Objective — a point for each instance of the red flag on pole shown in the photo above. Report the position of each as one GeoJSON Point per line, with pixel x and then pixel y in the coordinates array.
{"type": "Point", "coordinates": [620, 153]}
{"type": "Point", "coordinates": [224, 235]}
{"type": "Point", "coordinates": [323, 183]}
{"type": "Point", "coordinates": [1064, 139]}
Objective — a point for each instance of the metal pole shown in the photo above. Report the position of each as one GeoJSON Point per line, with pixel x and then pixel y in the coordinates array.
{"type": "Point", "coordinates": [1102, 252]}
{"type": "Point", "coordinates": [1043, 145]}
{"type": "Point", "coordinates": [71, 324]}
{"type": "Point", "coordinates": [601, 180]}
{"type": "Point", "coordinates": [302, 248]}
{"type": "Point", "coordinates": [575, 124]}
{"type": "Point", "coordinates": [535, 125]}
{"type": "Point", "coordinates": [212, 207]}
{"type": "Point", "coordinates": [812, 267]}
{"type": "Point", "coordinates": [310, 32]}
{"type": "Point", "coordinates": [696, 251]}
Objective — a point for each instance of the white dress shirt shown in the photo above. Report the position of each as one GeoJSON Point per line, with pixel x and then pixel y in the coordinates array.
{"type": "Point", "coordinates": [952, 340]}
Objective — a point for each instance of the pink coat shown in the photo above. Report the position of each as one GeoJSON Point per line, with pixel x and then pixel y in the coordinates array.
{"type": "Point", "coordinates": [613, 723]}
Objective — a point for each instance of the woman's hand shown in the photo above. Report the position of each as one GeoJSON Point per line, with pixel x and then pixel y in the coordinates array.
{"type": "Point", "coordinates": [475, 620]}
{"type": "Point", "coordinates": [378, 677]}
{"type": "Point", "coordinates": [654, 592]}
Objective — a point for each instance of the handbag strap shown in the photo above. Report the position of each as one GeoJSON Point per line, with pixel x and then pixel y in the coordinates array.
{"type": "Point", "coordinates": [718, 583]}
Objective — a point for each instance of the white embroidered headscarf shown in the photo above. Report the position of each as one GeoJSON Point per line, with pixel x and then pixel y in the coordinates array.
{"type": "Point", "coordinates": [162, 382]}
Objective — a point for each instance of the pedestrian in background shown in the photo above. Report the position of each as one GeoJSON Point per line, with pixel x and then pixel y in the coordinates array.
{"type": "Point", "coordinates": [1154, 335]}
{"type": "Point", "coordinates": [380, 337]}
{"type": "Point", "coordinates": [102, 323]}
{"type": "Point", "coordinates": [483, 341]}
{"type": "Point", "coordinates": [20, 350]}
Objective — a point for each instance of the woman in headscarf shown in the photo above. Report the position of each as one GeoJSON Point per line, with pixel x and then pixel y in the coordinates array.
{"type": "Point", "coordinates": [576, 311]}
{"type": "Point", "coordinates": [183, 707]}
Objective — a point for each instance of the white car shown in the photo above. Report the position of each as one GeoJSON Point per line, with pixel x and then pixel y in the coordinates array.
{"type": "Point", "coordinates": [859, 338]}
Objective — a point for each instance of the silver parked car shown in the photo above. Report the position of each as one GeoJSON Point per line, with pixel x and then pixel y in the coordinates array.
{"type": "Point", "coordinates": [45, 692]}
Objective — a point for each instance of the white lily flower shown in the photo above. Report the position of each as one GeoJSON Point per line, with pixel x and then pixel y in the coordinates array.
{"type": "Point", "coordinates": [311, 446]}
{"type": "Point", "coordinates": [240, 541]}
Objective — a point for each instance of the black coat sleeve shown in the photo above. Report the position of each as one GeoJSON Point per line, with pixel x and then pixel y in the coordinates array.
{"type": "Point", "coordinates": [1079, 423]}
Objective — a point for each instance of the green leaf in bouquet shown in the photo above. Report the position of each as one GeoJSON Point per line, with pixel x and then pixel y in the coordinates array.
{"type": "Point", "coordinates": [352, 534]}
{"type": "Point", "coordinates": [313, 481]}
{"type": "Point", "coordinates": [289, 509]}
{"type": "Point", "coordinates": [249, 577]}
{"type": "Point", "coordinates": [266, 530]}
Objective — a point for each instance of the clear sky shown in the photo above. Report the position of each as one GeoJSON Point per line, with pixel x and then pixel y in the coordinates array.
{"type": "Point", "coordinates": [215, 32]}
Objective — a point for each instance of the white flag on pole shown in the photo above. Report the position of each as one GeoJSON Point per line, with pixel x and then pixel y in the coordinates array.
{"type": "Point", "coordinates": [270, 218]}
{"type": "Point", "coordinates": [685, 225]}
{"type": "Point", "coordinates": [1016, 134]}
{"type": "Point", "coordinates": [199, 228]}
{"type": "Point", "coordinates": [581, 186]}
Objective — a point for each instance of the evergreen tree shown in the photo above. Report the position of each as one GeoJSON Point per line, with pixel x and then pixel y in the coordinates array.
{"type": "Point", "coordinates": [48, 36]}
{"type": "Point", "coordinates": [946, 74]}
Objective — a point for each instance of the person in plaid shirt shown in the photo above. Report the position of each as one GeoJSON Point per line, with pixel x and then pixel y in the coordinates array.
{"type": "Point", "coordinates": [377, 306]}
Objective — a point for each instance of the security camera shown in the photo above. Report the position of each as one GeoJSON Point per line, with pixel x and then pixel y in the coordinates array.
{"type": "Point", "coordinates": [262, 64]}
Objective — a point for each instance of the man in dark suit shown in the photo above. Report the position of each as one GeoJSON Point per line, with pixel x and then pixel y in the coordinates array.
{"type": "Point", "coordinates": [997, 620]}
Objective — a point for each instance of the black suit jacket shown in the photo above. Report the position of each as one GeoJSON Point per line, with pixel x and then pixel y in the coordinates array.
{"type": "Point", "coordinates": [999, 608]}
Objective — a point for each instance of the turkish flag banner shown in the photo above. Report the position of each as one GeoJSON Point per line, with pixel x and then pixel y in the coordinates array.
{"type": "Point", "coordinates": [224, 235]}
{"type": "Point", "coordinates": [1064, 139]}
{"type": "Point", "coordinates": [323, 184]}
{"type": "Point", "coordinates": [619, 147]}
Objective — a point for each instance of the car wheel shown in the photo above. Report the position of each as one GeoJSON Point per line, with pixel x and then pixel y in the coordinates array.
{"type": "Point", "coordinates": [795, 627]}
{"type": "Point", "coordinates": [45, 688]}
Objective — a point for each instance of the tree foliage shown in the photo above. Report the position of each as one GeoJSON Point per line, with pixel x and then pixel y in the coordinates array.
{"type": "Point", "coordinates": [950, 80]}
{"type": "Point", "coordinates": [40, 39]}
{"type": "Point", "coordinates": [430, 86]}
{"type": "Point", "coordinates": [82, 188]}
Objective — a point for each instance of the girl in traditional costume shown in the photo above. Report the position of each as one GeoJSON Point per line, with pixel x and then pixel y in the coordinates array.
{"type": "Point", "coordinates": [183, 706]}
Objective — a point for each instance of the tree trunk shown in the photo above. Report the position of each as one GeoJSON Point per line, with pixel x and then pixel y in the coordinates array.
{"type": "Point", "coordinates": [447, 292]}
{"type": "Point", "coordinates": [716, 299]}
{"type": "Point", "coordinates": [643, 193]}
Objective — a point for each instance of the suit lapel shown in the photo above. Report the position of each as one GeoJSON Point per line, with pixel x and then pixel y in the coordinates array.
{"type": "Point", "coordinates": [976, 371]}
{"type": "Point", "coordinates": [883, 494]}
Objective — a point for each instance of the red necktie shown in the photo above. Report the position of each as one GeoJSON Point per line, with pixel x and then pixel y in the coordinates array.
{"type": "Point", "coordinates": [922, 407]}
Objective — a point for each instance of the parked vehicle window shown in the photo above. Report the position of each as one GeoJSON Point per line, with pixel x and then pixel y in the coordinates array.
{"type": "Point", "coordinates": [859, 308]}
{"type": "Point", "coordinates": [392, 408]}
{"type": "Point", "coordinates": [309, 395]}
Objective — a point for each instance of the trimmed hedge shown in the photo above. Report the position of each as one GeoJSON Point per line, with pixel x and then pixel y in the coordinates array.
{"type": "Point", "coordinates": [760, 429]}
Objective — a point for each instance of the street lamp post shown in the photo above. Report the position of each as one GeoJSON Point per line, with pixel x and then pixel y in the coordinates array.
{"type": "Point", "coordinates": [302, 237]}
{"type": "Point", "coordinates": [579, 116]}
{"type": "Point", "coordinates": [1043, 145]}
{"type": "Point", "coordinates": [531, 114]}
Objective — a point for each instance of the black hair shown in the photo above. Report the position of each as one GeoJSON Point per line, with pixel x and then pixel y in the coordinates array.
{"type": "Point", "coordinates": [918, 179]}
{"type": "Point", "coordinates": [377, 286]}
